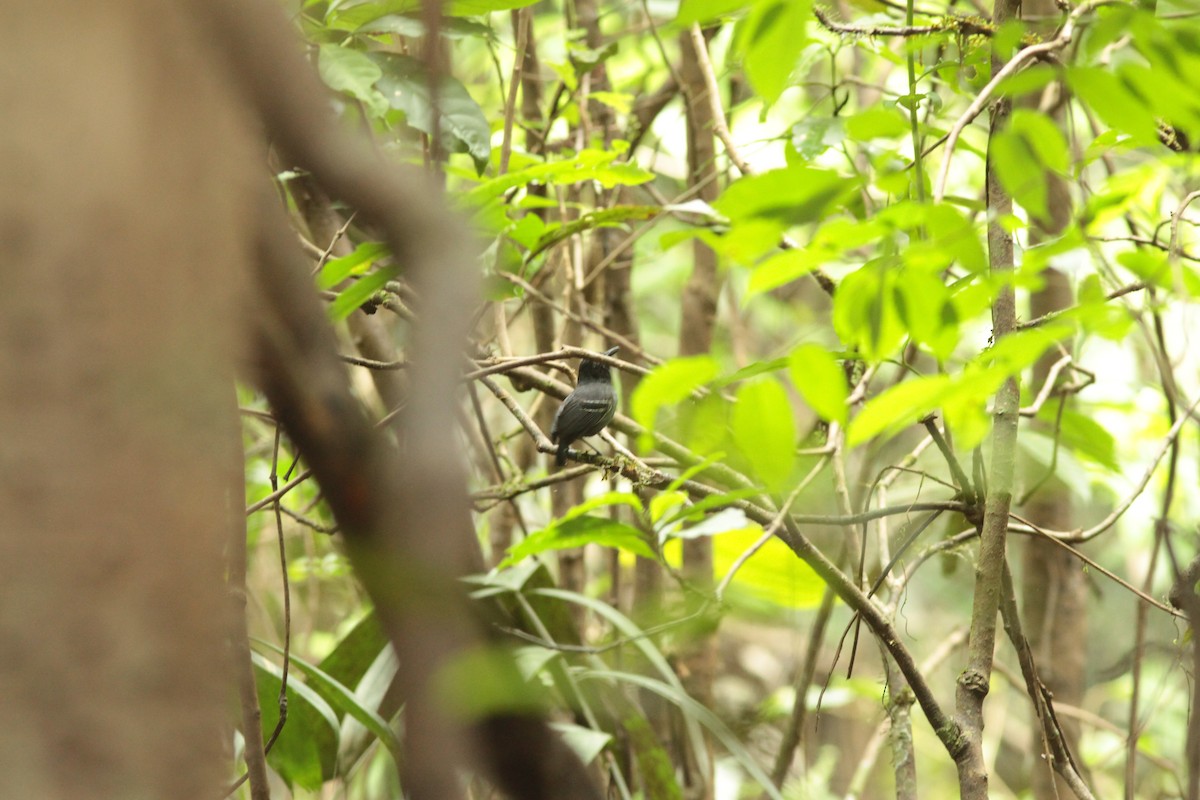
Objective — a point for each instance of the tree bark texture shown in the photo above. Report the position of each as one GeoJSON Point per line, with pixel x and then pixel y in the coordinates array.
{"type": "Point", "coordinates": [974, 681]}
{"type": "Point", "coordinates": [124, 224]}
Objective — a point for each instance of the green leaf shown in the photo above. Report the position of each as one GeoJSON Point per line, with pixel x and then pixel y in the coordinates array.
{"type": "Point", "coordinates": [587, 165]}
{"type": "Point", "coordinates": [669, 384]}
{"type": "Point", "coordinates": [750, 371]}
{"type": "Point", "coordinates": [765, 431]}
{"type": "Point", "coordinates": [773, 573]}
{"type": "Point", "coordinates": [1083, 436]}
{"type": "Point", "coordinates": [694, 710]}
{"type": "Point", "coordinates": [461, 123]}
{"type": "Point", "coordinates": [877, 122]}
{"type": "Point", "coordinates": [700, 508]}
{"type": "Point", "coordinates": [338, 269]}
{"type": "Point", "coordinates": [897, 408]}
{"type": "Point", "coordinates": [1020, 173]}
{"type": "Point", "coordinates": [354, 17]}
{"type": "Point", "coordinates": [340, 697]}
{"type": "Point", "coordinates": [352, 72]}
{"type": "Point", "coordinates": [359, 292]}
{"type": "Point", "coordinates": [604, 218]}
{"type": "Point", "coordinates": [305, 754]}
{"type": "Point", "coordinates": [646, 648]}
{"type": "Point", "coordinates": [587, 743]}
{"type": "Point", "coordinates": [771, 40]}
{"type": "Point", "coordinates": [577, 532]}
{"type": "Point", "coordinates": [355, 652]}
{"type": "Point", "coordinates": [783, 268]}
{"type": "Point", "coordinates": [1044, 138]}
{"type": "Point", "coordinates": [708, 10]}
{"type": "Point", "coordinates": [792, 195]}
{"type": "Point", "coordinates": [924, 305]}
{"type": "Point", "coordinates": [483, 681]}
{"type": "Point", "coordinates": [812, 136]}
{"type": "Point", "coordinates": [821, 381]}
{"type": "Point", "coordinates": [1113, 103]}
{"type": "Point", "coordinates": [603, 501]}
{"type": "Point", "coordinates": [864, 314]}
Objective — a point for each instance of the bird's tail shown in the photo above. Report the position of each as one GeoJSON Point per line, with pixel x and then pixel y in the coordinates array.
{"type": "Point", "coordinates": [560, 458]}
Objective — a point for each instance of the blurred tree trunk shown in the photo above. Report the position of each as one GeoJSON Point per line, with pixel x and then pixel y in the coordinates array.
{"type": "Point", "coordinates": [695, 337]}
{"type": "Point", "coordinates": [1054, 590]}
{"type": "Point", "coordinates": [124, 165]}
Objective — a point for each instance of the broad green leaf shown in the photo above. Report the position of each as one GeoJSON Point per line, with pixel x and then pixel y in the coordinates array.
{"type": "Point", "coordinates": [357, 16]}
{"type": "Point", "coordinates": [813, 135]}
{"type": "Point", "coordinates": [1027, 81]}
{"type": "Point", "coordinates": [1044, 138]}
{"type": "Point", "coordinates": [461, 123]}
{"type": "Point", "coordinates": [341, 698]}
{"type": "Point", "coordinates": [713, 502]}
{"type": "Point", "coordinates": [784, 267]}
{"type": "Point", "coordinates": [1113, 102]}
{"type": "Point", "coordinates": [694, 710]}
{"type": "Point", "coordinates": [603, 501]}
{"type": "Point", "coordinates": [1019, 351]}
{"type": "Point", "coordinates": [1082, 435]}
{"type": "Point", "coordinates": [773, 573]}
{"type": "Point", "coordinates": [483, 681]}
{"type": "Point", "coordinates": [305, 754]}
{"type": "Point", "coordinates": [897, 408]}
{"type": "Point", "coordinates": [356, 651]}
{"type": "Point", "coordinates": [708, 10]}
{"type": "Point", "coordinates": [648, 651]}
{"type": "Point", "coordinates": [792, 195]}
{"type": "Point", "coordinates": [704, 425]}
{"type": "Point", "coordinates": [821, 381]}
{"type": "Point", "coordinates": [1020, 173]}
{"type": "Point", "coordinates": [722, 523]}
{"type": "Point", "coordinates": [864, 314]}
{"type": "Point", "coordinates": [664, 502]}
{"type": "Point", "coordinates": [923, 303]}
{"type": "Point", "coordinates": [877, 122]}
{"type": "Point", "coordinates": [338, 269]}
{"type": "Point", "coordinates": [353, 72]}
{"type": "Point", "coordinates": [765, 431]}
{"type": "Point", "coordinates": [359, 292]}
{"type": "Point", "coordinates": [771, 39]}
{"type": "Point", "coordinates": [751, 371]}
{"type": "Point", "coordinates": [577, 532]}
{"type": "Point", "coordinates": [669, 384]}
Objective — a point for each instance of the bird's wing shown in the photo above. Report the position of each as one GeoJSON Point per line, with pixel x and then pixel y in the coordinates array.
{"type": "Point", "coordinates": [580, 417]}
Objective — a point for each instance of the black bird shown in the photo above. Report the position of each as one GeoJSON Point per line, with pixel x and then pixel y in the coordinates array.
{"type": "Point", "coordinates": [588, 409]}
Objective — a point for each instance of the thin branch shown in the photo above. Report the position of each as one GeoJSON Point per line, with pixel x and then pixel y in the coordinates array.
{"type": "Point", "coordinates": [1119, 511]}
{"type": "Point", "coordinates": [965, 486]}
{"type": "Point", "coordinates": [324, 255]}
{"type": "Point", "coordinates": [1036, 530]}
{"type": "Point", "coordinates": [524, 22]}
{"type": "Point", "coordinates": [371, 363]}
{"type": "Point", "coordinates": [287, 603]}
{"type": "Point", "coordinates": [1113, 295]}
{"type": "Point", "coordinates": [984, 97]}
{"type": "Point", "coordinates": [562, 354]}
{"type": "Point", "coordinates": [700, 45]}
{"type": "Point", "coordinates": [771, 530]}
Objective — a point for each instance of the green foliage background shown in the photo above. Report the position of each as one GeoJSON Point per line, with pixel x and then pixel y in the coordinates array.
{"type": "Point", "coordinates": [829, 116]}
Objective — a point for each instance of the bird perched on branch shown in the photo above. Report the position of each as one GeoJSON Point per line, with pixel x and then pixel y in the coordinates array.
{"type": "Point", "coordinates": [588, 409]}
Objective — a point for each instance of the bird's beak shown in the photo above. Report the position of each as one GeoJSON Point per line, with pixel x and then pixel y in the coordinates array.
{"type": "Point", "coordinates": [612, 351]}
